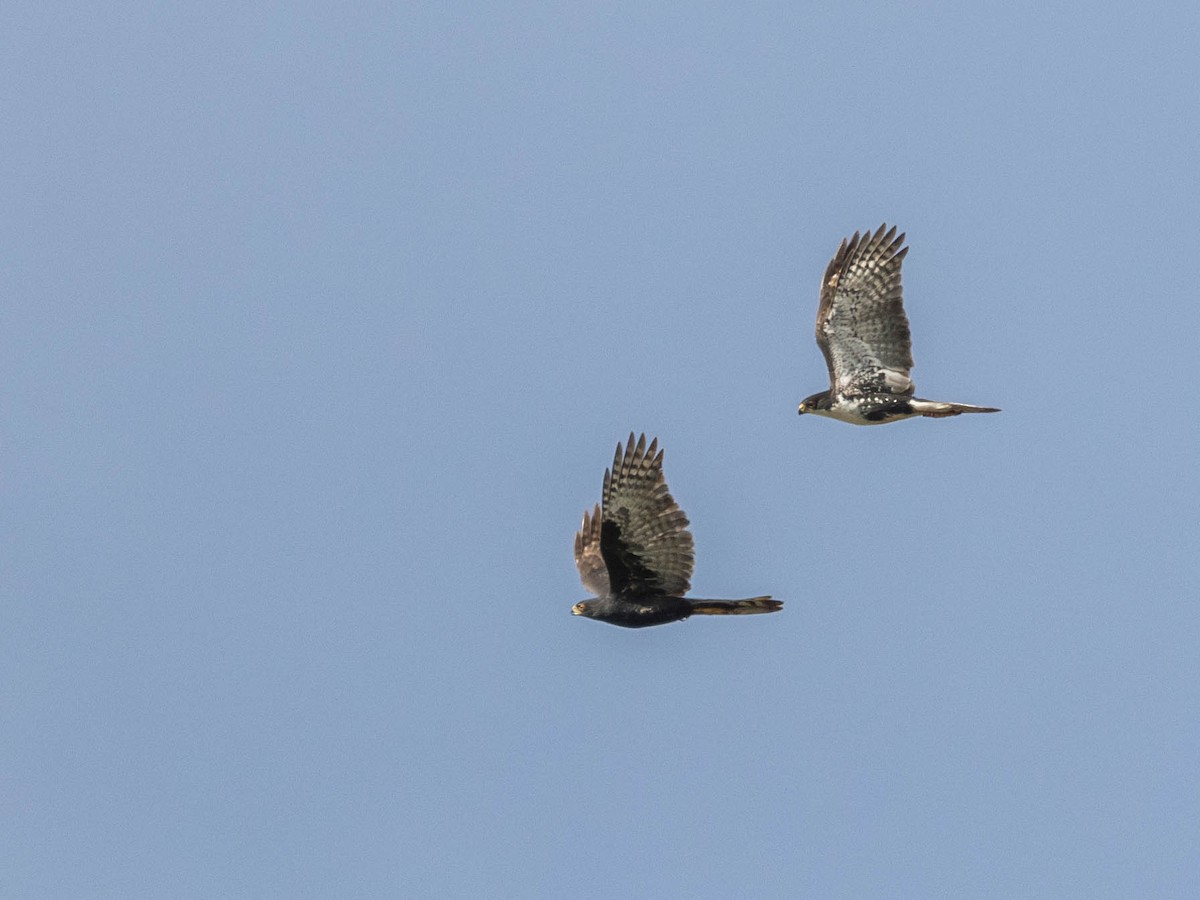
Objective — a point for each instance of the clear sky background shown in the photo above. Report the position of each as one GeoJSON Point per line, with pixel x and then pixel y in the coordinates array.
{"type": "Point", "coordinates": [320, 323]}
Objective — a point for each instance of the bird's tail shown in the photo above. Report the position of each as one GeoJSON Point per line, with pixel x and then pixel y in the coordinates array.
{"type": "Point", "coordinates": [750, 607]}
{"type": "Point", "coordinates": [935, 409]}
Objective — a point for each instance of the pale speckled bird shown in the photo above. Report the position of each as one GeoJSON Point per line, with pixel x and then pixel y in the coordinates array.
{"type": "Point", "coordinates": [635, 553]}
{"type": "Point", "coordinates": [863, 332]}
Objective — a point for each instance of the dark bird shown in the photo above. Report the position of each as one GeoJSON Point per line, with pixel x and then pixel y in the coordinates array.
{"type": "Point", "coordinates": [863, 332]}
{"type": "Point", "coordinates": [635, 553]}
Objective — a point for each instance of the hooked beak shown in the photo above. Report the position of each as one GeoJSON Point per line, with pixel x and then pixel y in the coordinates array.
{"type": "Point", "coordinates": [577, 609]}
{"type": "Point", "coordinates": [802, 409]}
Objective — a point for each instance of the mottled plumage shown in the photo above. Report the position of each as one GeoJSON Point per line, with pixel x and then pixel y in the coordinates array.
{"type": "Point", "coordinates": [634, 550]}
{"type": "Point", "coordinates": [863, 332]}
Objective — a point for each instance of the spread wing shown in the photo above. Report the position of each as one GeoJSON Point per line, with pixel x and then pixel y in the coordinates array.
{"type": "Point", "coordinates": [861, 325]}
{"type": "Point", "coordinates": [592, 571]}
{"type": "Point", "coordinates": [644, 535]}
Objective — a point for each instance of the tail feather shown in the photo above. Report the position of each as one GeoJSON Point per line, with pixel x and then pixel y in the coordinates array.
{"type": "Point", "coordinates": [749, 607]}
{"type": "Point", "coordinates": [935, 409]}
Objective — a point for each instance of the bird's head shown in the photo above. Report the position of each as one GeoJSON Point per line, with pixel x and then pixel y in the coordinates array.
{"type": "Point", "coordinates": [582, 608]}
{"type": "Point", "coordinates": [815, 403]}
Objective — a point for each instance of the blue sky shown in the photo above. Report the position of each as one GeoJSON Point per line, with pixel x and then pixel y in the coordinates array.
{"type": "Point", "coordinates": [320, 325]}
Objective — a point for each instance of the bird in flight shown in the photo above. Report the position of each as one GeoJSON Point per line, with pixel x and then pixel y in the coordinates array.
{"type": "Point", "coordinates": [863, 332]}
{"type": "Point", "coordinates": [635, 553]}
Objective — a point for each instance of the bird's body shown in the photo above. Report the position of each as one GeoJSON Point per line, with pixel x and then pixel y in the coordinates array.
{"type": "Point", "coordinates": [878, 409]}
{"type": "Point", "coordinates": [635, 553]}
{"type": "Point", "coordinates": [863, 333]}
{"type": "Point", "coordinates": [630, 612]}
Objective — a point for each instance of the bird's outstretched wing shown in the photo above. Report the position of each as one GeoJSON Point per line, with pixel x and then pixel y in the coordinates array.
{"type": "Point", "coordinates": [861, 325]}
{"type": "Point", "coordinates": [592, 571]}
{"type": "Point", "coordinates": [644, 535]}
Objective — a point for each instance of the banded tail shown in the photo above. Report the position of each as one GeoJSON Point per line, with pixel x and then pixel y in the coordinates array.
{"type": "Point", "coordinates": [935, 409]}
{"type": "Point", "coordinates": [750, 607]}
